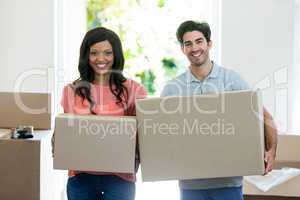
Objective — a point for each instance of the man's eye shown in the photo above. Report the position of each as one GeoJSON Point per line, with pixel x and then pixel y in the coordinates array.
{"type": "Point", "coordinates": [187, 44]}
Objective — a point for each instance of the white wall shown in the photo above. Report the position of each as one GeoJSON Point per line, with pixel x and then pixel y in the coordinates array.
{"type": "Point", "coordinates": [294, 78]}
{"type": "Point", "coordinates": [257, 41]}
{"type": "Point", "coordinates": [40, 42]}
{"type": "Point", "coordinates": [27, 45]}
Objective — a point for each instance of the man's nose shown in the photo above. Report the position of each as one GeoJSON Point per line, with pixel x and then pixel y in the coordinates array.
{"type": "Point", "coordinates": [195, 47]}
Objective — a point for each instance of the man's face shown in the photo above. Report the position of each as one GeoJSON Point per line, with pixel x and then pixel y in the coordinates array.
{"type": "Point", "coordinates": [196, 48]}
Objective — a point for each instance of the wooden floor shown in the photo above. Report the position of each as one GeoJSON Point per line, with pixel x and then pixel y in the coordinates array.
{"type": "Point", "coordinates": [254, 197]}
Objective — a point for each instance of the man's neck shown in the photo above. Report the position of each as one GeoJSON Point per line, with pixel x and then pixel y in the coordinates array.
{"type": "Point", "coordinates": [201, 72]}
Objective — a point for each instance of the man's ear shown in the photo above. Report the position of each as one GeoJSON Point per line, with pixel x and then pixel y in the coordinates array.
{"type": "Point", "coordinates": [182, 48]}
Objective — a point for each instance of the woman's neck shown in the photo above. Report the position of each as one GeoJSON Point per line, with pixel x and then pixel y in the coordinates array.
{"type": "Point", "coordinates": [102, 79]}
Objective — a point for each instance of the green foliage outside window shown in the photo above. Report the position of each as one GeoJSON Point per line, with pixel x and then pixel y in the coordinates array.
{"type": "Point", "coordinates": [147, 77]}
{"type": "Point", "coordinates": [170, 67]}
{"type": "Point", "coordinates": [139, 52]}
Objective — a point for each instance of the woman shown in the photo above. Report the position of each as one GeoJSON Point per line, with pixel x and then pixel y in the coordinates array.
{"type": "Point", "coordinates": [101, 90]}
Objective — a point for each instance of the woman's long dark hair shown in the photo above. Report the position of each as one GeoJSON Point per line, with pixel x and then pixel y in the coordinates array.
{"type": "Point", "coordinates": [82, 85]}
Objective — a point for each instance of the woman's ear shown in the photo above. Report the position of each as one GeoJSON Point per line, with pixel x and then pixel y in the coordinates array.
{"type": "Point", "coordinates": [209, 44]}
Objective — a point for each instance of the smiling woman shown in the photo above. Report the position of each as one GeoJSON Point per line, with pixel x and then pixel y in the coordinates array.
{"type": "Point", "coordinates": [101, 89]}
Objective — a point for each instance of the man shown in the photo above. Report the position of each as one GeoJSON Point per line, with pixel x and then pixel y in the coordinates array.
{"type": "Point", "coordinates": [205, 76]}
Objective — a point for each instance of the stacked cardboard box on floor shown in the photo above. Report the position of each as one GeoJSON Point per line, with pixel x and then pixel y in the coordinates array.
{"type": "Point", "coordinates": [288, 155]}
{"type": "Point", "coordinates": [95, 143]}
{"type": "Point", "coordinates": [25, 109]}
{"type": "Point", "coordinates": [26, 164]}
{"type": "Point", "coordinates": [203, 136]}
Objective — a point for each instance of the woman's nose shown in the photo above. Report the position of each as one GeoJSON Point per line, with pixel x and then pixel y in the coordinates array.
{"type": "Point", "coordinates": [100, 56]}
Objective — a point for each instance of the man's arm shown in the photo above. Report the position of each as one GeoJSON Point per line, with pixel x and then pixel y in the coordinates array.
{"type": "Point", "coordinates": [270, 131]}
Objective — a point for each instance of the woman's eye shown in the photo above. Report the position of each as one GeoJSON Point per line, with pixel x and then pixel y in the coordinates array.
{"type": "Point", "coordinates": [93, 53]}
{"type": "Point", "coordinates": [108, 53]}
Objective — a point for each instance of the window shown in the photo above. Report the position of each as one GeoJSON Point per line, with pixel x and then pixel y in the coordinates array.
{"type": "Point", "coordinates": [147, 30]}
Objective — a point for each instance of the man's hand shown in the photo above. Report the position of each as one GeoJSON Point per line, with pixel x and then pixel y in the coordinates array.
{"type": "Point", "coordinates": [269, 161]}
{"type": "Point", "coordinates": [271, 141]}
{"type": "Point", "coordinates": [52, 143]}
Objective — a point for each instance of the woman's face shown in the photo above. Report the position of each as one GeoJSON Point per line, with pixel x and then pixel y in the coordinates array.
{"type": "Point", "coordinates": [101, 58]}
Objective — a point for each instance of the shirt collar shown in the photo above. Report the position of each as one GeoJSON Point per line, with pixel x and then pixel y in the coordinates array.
{"type": "Point", "coordinates": [213, 74]}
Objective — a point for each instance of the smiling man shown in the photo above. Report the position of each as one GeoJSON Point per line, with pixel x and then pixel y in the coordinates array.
{"type": "Point", "coordinates": [205, 76]}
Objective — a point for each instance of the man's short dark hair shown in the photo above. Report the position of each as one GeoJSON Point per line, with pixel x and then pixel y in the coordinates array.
{"type": "Point", "coordinates": [189, 26]}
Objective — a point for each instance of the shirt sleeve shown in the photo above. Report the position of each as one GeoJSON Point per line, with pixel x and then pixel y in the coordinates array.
{"type": "Point", "coordinates": [68, 99]}
{"type": "Point", "coordinates": [165, 92]}
{"type": "Point", "coordinates": [236, 82]}
{"type": "Point", "coordinates": [172, 88]}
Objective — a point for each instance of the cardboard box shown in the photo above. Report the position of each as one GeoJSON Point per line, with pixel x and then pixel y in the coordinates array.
{"type": "Point", "coordinates": [288, 149]}
{"type": "Point", "coordinates": [205, 136]}
{"type": "Point", "coordinates": [25, 109]}
{"type": "Point", "coordinates": [95, 143]}
{"type": "Point", "coordinates": [288, 155]}
{"type": "Point", "coordinates": [26, 167]}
